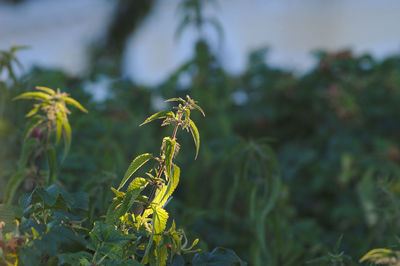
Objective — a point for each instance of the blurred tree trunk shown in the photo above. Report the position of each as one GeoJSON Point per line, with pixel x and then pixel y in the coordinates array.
{"type": "Point", "coordinates": [106, 55]}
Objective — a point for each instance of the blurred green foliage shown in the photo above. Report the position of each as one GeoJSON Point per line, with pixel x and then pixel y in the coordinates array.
{"type": "Point", "coordinates": [288, 163]}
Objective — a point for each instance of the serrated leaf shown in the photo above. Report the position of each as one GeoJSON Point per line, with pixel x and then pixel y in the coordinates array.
{"type": "Point", "coordinates": [75, 103]}
{"type": "Point", "coordinates": [160, 217]}
{"type": "Point", "coordinates": [134, 166]}
{"type": "Point", "coordinates": [134, 189]}
{"type": "Point", "coordinates": [51, 160]}
{"type": "Point", "coordinates": [196, 136]}
{"type": "Point", "coordinates": [162, 255]}
{"type": "Point", "coordinates": [169, 154]}
{"type": "Point", "coordinates": [137, 183]}
{"type": "Point", "coordinates": [45, 89]}
{"type": "Point", "coordinates": [33, 95]}
{"type": "Point", "coordinates": [165, 192]}
{"type": "Point", "coordinates": [159, 115]}
{"type": "Point", "coordinates": [126, 201]}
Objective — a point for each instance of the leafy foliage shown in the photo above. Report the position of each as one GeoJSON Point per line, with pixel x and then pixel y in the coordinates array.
{"type": "Point", "coordinates": [333, 130]}
{"type": "Point", "coordinates": [49, 116]}
{"type": "Point", "coordinates": [52, 226]}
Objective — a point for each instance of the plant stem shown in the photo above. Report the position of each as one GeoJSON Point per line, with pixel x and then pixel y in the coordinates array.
{"type": "Point", "coordinates": [160, 170]}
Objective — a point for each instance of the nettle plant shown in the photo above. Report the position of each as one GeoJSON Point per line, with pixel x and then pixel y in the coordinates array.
{"type": "Point", "coordinates": [146, 216]}
{"type": "Point", "coordinates": [48, 117]}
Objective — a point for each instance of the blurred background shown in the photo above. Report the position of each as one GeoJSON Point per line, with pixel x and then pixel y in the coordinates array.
{"type": "Point", "coordinates": [300, 145]}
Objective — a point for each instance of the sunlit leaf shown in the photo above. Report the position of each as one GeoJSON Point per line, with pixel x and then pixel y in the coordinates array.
{"type": "Point", "coordinates": [169, 153]}
{"type": "Point", "coordinates": [159, 115]}
{"type": "Point", "coordinates": [58, 130]}
{"type": "Point", "coordinates": [75, 103]}
{"type": "Point", "coordinates": [45, 89]}
{"type": "Point", "coordinates": [196, 136]}
{"type": "Point", "coordinates": [125, 202]}
{"type": "Point", "coordinates": [67, 134]}
{"type": "Point", "coordinates": [175, 100]}
{"type": "Point", "coordinates": [160, 217]}
{"type": "Point", "coordinates": [33, 95]}
{"type": "Point", "coordinates": [165, 192]}
{"type": "Point", "coordinates": [161, 255]}
{"type": "Point", "coordinates": [134, 166]}
{"type": "Point", "coordinates": [118, 194]}
{"type": "Point", "coordinates": [33, 111]}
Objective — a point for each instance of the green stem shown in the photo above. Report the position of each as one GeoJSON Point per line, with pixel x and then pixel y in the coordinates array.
{"type": "Point", "coordinates": [161, 167]}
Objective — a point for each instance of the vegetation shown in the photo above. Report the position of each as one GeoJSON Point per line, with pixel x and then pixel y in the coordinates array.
{"type": "Point", "coordinates": [292, 169]}
{"type": "Point", "coordinates": [50, 223]}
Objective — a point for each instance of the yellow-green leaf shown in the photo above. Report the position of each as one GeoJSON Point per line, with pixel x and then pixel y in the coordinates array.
{"type": "Point", "coordinates": [75, 103]}
{"type": "Point", "coordinates": [58, 130]}
{"type": "Point", "coordinates": [67, 134]}
{"type": "Point", "coordinates": [169, 153]}
{"type": "Point", "coordinates": [163, 194]}
{"type": "Point", "coordinates": [33, 111]}
{"type": "Point", "coordinates": [134, 166]}
{"type": "Point", "coordinates": [45, 89]}
{"type": "Point", "coordinates": [161, 255]}
{"type": "Point", "coordinates": [159, 115]}
{"type": "Point", "coordinates": [118, 194]}
{"type": "Point", "coordinates": [160, 217]}
{"type": "Point", "coordinates": [378, 253]}
{"type": "Point", "coordinates": [176, 100]}
{"type": "Point", "coordinates": [33, 95]}
{"type": "Point", "coordinates": [196, 136]}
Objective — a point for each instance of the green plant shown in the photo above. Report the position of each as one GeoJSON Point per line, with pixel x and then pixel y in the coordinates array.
{"type": "Point", "coordinates": [48, 117]}
{"type": "Point", "coordinates": [131, 211]}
